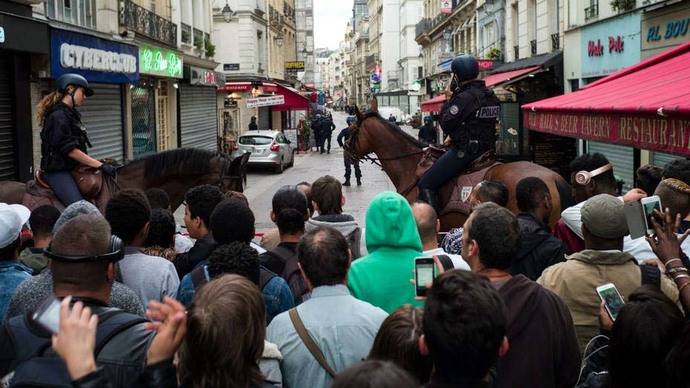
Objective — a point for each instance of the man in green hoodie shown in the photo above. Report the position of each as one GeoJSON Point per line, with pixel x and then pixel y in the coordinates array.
{"type": "Point", "coordinates": [382, 278]}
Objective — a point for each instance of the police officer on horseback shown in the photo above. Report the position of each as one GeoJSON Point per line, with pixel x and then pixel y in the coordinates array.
{"type": "Point", "coordinates": [63, 137]}
{"type": "Point", "coordinates": [468, 121]}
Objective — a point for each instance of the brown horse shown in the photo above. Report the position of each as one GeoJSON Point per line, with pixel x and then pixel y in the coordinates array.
{"type": "Point", "coordinates": [399, 154]}
{"type": "Point", "coordinates": [174, 171]}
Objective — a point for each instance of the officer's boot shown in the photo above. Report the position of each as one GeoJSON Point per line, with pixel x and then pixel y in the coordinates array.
{"type": "Point", "coordinates": [431, 197]}
{"type": "Point", "coordinates": [359, 181]}
{"type": "Point", "coordinates": [347, 182]}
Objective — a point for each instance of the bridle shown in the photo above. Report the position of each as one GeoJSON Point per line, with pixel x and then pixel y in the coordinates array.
{"type": "Point", "coordinates": [224, 177]}
{"type": "Point", "coordinates": [354, 136]}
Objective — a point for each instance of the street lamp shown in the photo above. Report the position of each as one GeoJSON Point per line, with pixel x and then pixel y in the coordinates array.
{"type": "Point", "coordinates": [279, 39]}
{"type": "Point", "coordinates": [227, 12]}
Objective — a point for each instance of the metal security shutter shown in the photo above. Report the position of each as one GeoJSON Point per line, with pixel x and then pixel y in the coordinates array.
{"type": "Point", "coordinates": [661, 159]}
{"type": "Point", "coordinates": [102, 117]}
{"type": "Point", "coordinates": [622, 159]}
{"type": "Point", "coordinates": [198, 117]}
{"type": "Point", "coordinates": [8, 162]}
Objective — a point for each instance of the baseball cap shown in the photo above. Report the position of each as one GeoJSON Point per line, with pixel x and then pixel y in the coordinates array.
{"type": "Point", "coordinates": [604, 217]}
{"type": "Point", "coordinates": [12, 219]}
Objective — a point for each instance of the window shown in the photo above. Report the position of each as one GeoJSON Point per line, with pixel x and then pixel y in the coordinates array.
{"type": "Point", "coordinates": [79, 12]}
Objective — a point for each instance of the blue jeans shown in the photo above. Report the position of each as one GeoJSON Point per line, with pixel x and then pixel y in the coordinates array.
{"type": "Point", "coordinates": [447, 167]}
{"type": "Point", "coordinates": [64, 187]}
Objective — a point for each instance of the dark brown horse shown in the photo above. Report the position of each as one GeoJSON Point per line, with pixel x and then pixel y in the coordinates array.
{"type": "Point", "coordinates": [399, 154]}
{"type": "Point", "coordinates": [174, 171]}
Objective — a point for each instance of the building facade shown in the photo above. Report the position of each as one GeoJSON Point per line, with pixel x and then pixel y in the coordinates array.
{"type": "Point", "coordinates": [305, 40]}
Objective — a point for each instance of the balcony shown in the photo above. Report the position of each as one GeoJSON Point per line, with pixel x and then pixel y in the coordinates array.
{"type": "Point", "coordinates": [592, 11]}
{"type": "Point", "coordinates": [147, 23]}
{"type": "Point", "coordinates": [393, 75]}
{"type": "Point", "coordinates": [555, 42]}
{"type": "Point", "coordinates": [370, 61]}
{"type": "Point", "coordinates": [533, 46]}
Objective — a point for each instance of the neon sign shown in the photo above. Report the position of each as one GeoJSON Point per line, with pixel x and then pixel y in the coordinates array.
{"type": "Point", "coordinates": [158, 61]}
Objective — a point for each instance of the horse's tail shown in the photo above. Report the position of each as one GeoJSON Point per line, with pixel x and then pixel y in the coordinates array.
{"type": "Point", "coordinates": [565, 193]}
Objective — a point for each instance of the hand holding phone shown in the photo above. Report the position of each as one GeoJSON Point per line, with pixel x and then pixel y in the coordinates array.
{"type": "Point", "coordinates": [424, 273]}
{"type": "Point", "coordinates": [613, 301]}
{"type": "Point", "coordinates": [649, 204]}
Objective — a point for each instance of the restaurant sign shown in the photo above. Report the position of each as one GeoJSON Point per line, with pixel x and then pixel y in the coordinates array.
{"type": "Point", "coordinates": [651, 132]}
{"type": "Point", "coordinates": [265, 101]}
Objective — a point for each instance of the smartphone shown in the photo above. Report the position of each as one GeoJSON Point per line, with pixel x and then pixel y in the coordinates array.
{"type": "Point", "coordinates": [424, 272]}
{"type": "Point", "coordinates": [635, 219]}
{"type": "Point", "coordinates": [48, 315]}
{"type": "Point", "coordinates": [648, 206]}
{"type": "Point", "coordinates": [613, 301]}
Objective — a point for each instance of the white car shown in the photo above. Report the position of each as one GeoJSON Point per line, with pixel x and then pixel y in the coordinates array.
{"type": "Point", "coordinates": [268, 148]}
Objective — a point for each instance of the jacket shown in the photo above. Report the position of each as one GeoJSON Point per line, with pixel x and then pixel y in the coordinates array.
{"type": "Point", "coordinates": [62, 132]}
{"type": "Point", "coordinates": [122, 358]}
{"type": "Point", "coordinates": [427, 134]}
{"type": "Point", "coordinates": [576, 280]}
{"type": "Point", "coordinates": [343, 223]}
{"type": "Point", "coordinates": [186, 262]}
{"type": "Point", "coordinates": [471, 114]}
{"type": "Point", "coordinates": [382, 278]}
{"type": "Point", "coordinates": [159, 375]}
{"type": "Point", "coordinates": [344, 136]}
{"type": "Point", "coordinates": [539, 327]}
{"type": "Point", "coordinates": [538, 248]}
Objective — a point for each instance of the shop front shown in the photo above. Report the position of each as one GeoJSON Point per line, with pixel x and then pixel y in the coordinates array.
{"type": "Point", "coordinates": [154, 100]}
{"type": "Point", "coordinates": [643, 106]}
{"type": "Point", "coordinates": [198, 116]}
{"type": "Point", "coordinates": [108, 66]}
{"type": "Point", "coordinates": [16, 48]}
{"type": "Point", "coordinates": [238, 113]}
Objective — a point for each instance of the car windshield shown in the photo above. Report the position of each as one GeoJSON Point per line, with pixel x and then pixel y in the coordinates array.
{"type": "Point", "coordinates": [256, 140]}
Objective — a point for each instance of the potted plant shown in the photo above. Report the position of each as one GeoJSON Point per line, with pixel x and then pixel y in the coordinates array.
{"type": "Point", "coordinates": [210, 48]}
{"type": "Point", "coordinates": [622, 5]}
{"type": "Point", "coordinates": [494, 54]}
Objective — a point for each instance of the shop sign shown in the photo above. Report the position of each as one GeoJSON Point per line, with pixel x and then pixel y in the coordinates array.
{"type": "Point", "coordinates": [23, 34]}
{"type": "Point", "coordinates": [651, 132]}
{"type": "Point", "coordinates": [294, 66]}
{"type": "Point", "coordinates": [97, 59]}
{"type": "Point", "coordinates": [446, 6]}
{"type": "Point", "coordinates": [604, 52]}
{"type": "Point", "coordinates": [199, 76]}
{"type": "Point", "coordinates": [160, 61]}
{"type": "Point", "coordinates": [231, 66]}
{"type": "Point", "coordinates": [485, 64]}
{"type": "Point", "coordinates": [265, 101]}
{"type": "Point", "coordinates": [665, 27]}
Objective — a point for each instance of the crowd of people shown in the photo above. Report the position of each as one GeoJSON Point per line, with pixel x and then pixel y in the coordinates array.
{"type": "Point", "coordinates": [325, 300]}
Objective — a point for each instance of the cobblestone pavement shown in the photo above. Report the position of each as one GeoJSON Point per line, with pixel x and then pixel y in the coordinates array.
{"type": "Point", "coordinates": [262, 183]}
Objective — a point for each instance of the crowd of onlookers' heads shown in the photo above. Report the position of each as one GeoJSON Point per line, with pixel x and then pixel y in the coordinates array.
{"type": "Point", "coordinates": [324, 300]}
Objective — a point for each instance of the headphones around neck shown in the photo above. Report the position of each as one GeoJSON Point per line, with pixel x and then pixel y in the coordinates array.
{"type": "Point", "coordinates": [584, 177]}
{"type": "Point", "coordinates": [115, 253]}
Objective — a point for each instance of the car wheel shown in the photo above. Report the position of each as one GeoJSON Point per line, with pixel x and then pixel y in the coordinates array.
{"type": "Point", "coordinates": [292, 159]}
{"type": "Point", "coordinates": [280, 167]}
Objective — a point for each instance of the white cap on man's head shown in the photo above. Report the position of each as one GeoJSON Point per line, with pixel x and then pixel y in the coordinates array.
{"type": "Point", "coordinates": [12, 219]}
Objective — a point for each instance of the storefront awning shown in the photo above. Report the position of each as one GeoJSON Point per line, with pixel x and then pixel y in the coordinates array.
{"type": "Point", "coordinates": [505, 77]}
{"type": "Point", "coordinates": [646, 106]}
{"type": "Point", "coordinates": [293, 100]}
{"type": "Point", "coordinates": [435, 104]}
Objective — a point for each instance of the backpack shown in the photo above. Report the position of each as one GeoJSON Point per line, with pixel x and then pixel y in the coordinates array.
{"type": "Point", "coordinates": [283, 262]}
{"type": "Point", "coordinates": [199, 277]}
{"type": "Point", "coordinates": [39, 366]}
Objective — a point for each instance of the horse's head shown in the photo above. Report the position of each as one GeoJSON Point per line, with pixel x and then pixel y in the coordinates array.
{"type": "Point", "coordinates": [360, 143]}
{"type": "Point", "coordinates": [232, 174]}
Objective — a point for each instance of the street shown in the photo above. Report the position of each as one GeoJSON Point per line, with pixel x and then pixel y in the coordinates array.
{"type": "Point", "coordinates": [263, 183]}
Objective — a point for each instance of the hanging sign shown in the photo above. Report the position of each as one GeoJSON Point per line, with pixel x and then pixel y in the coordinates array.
{"type": "Point", "coordinates": [446, 6]}
{"type": "Point", "coordinates": [97, 59]}
{"type": "Point", "coordinates": [265, 101]}
{"type": "Point", "coordinates": [159, 61]}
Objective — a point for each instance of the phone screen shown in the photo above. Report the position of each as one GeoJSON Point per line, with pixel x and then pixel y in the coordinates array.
{"type": "Point", "coordinates": [612, 299]}
{"type": "Point", "coordinates": [425, 274]}
{"type": "Point", "coordinates": [648, 210]}
{"type": "Point", "coordinates": [49, 317]}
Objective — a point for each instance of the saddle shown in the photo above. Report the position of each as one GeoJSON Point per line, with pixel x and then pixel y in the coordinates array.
{"type": "Point", "coordinates": [89, 180]}
{"type": "Point", "coordinates": [457, 200]}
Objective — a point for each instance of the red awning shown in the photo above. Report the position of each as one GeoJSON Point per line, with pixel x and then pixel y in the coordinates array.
{"type": "Point", "coordinates": [500, 78]}
{"type": "Point", "coordinates": [434, 104]}
{"type": "Point", "coordinates": [646, 106]}
{"type": "Point", "coordinates": [293, 100]}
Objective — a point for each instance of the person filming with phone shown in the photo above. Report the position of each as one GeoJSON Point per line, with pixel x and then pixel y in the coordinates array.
{"type": "Point", "coordinates": [468, 120]}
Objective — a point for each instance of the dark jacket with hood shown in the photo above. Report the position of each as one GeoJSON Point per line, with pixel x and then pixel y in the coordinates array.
{"type": "Point", "coordinates": [62, 132]}
{"type": "Point", "coordinates": [539, 249]}
{"type": "Point", "coordinates": [186, 262]}
{"type": "Point", "coordinates": [543, 349]}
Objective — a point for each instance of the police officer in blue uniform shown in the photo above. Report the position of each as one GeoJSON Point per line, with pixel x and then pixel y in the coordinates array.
{"type": "Point", "coordinates": [427, 132]}
{"type": "Point", "coordinates": [468, 121]}
{"type": "Point", "coordinates": [344, 137]}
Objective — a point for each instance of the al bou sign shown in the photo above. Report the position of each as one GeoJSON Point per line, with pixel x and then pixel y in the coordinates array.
{"type": "Point", "coordinates": [265, 101]}
{"type": "Point", "coordinates": [159, 61]}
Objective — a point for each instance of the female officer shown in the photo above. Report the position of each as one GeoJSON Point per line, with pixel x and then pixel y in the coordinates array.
{"type": "Point", "coordinates": [64, 139]}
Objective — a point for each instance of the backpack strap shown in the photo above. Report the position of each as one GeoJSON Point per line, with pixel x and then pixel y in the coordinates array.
{"type": "Point", "coordinates": [446, 262]}
{"type": "Point", "coordinates": [114, 322]}
{"type": "Point", "coordinates": [651, 275]}
{"type": "Point", "coordinates": [284, 255]}
{"type": "Point", "coordinates": [309, 342]}
{"type": "Point", "coordinates": [265, 276]}
{"type": "Point", "coordinates": [198, 276]}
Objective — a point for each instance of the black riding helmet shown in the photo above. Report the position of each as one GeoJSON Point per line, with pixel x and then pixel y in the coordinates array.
{"type": "Point", "coordinates": [77, 80]}
{"type": "Point", "coordinates": [465, 67]}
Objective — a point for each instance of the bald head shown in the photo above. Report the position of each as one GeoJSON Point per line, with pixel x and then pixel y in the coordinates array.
{"type": "Point", "coordinates": [427, 221]}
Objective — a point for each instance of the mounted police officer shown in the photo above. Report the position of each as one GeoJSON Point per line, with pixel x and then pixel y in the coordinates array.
{"type": "Point", "coordinates": [468, 121]}
{"type": "Point", "coordinates": [63, 137]}
{"type": "Point", "coordinates": [342, 138]}
{"type": "Point", "coordinates": [427, 133]}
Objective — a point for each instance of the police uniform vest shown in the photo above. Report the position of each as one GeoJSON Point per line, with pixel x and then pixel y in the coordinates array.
{"type": "Point", "coordinates": [469, 118]}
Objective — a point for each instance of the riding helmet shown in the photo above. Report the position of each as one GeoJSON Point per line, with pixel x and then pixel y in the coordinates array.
{"type": "Point", "coordinates": [77, 80]}
{"type": "Point", "coordinates": [428, 119]}
{"type": "Point", "coordinates": [350, 120]}
{"type": "Point", "coordinates": [465, 67]}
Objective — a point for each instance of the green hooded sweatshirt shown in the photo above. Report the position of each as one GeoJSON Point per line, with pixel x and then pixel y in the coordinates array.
{"type": "Point", "coordinates": [382, 278]}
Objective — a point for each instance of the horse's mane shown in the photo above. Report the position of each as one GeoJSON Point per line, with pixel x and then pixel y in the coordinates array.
{"type": "Point", "coordinates": [181, 161]}
{"type": "Point", "coordinates": [394, 128]}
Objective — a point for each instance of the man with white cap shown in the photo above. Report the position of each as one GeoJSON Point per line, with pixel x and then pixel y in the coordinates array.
{"type": "Point", "coordinates": [602, 261]}
{"type": "Point", "coordinates": [12, 272]}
